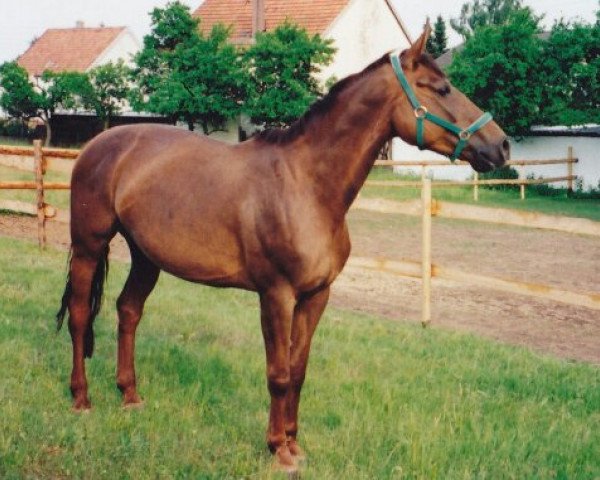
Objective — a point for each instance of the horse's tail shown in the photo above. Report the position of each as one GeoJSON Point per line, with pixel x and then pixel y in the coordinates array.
{"type": "Point", "coordinates": [95, 301]}
{"type": "Point", "coordinates": [60, 316]}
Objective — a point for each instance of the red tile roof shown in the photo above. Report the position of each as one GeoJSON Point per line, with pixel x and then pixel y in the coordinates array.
{"type": "Point", "coordinates": [68, 49]}
{"type": "Point", "coordinates": [314, 15]}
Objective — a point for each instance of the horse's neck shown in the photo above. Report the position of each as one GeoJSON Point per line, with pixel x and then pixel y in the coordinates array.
{"type": "Point", "coordinates": [343, 143]}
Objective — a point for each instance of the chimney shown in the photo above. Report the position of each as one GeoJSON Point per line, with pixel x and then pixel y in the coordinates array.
{"type": "Point", "coordinates": [258, 17]}
{"type": "Point", "coordinates": [79, 24]}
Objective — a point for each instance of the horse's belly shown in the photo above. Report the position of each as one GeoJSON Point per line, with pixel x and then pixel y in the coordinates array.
{"type": "Point", "coordinates": [192, 252]}
{"type": "Point", "coordinates": [200, 265]}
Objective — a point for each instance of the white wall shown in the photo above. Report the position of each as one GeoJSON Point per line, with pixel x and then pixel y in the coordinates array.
{"type": "Point", "coordinates": [404, 151]}
{"type": "Point", "coordinates": [587, 149]}
{"type": "Point", "coordinates": [123, 47]}
{"type": "Point", "coordinates": [363, 32]}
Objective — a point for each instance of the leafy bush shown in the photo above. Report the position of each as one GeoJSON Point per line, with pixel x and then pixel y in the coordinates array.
{"type": "Point", "coordinates": [579, 193]}
{"type": "Point", "coordinates": [14, 128]}
{"type": "Point", "coordinates": [589, 194]}
{"type": "Point", "coordinates": [545, 189]}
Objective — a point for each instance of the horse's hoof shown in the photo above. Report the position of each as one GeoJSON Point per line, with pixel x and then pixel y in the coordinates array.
{"type": "Point", "coordinates": [297, 452]}
{"type": "Point", "coordinates": [136, 405]}
{"type": "Point", "coordinates": [131, 400]}
{"type": "Point", "coordinates": [285, 462]}
{"type": "Point", "coordinates": [82, 406]}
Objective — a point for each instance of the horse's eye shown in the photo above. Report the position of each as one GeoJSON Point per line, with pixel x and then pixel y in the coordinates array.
{"type": "Point", "coordinates": [445, 90]}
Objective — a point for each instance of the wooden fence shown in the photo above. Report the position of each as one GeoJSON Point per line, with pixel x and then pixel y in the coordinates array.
{"type": "Point", "coordinates": [522, 182]}
{"type": "Point", "coordinates": [426, 270]}
{"type": "Point", "coordinates": [38, 160]}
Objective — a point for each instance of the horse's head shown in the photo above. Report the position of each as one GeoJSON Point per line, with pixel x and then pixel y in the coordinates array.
{"type": "Point", "coordinates": [435, 115]}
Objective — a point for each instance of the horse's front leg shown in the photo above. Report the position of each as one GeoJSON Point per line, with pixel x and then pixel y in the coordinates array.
{"type": "Point", "coordinates": [277, 309]}
{"type": "Point", "coordinates": [306, 318]}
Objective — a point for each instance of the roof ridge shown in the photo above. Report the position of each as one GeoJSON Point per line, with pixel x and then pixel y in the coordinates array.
{"type": "Point", "coordinates": [84, 28]}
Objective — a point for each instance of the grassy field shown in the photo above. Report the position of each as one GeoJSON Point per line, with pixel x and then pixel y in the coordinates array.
{"type": "Point", "coordinates": [382, 400]}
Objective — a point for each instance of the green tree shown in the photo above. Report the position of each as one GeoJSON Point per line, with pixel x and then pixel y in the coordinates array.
{"type": "Point", "coordinates": [571, 68]}
{"type": "Point", "coordinates": [438, 41]}
{"type": "Point", "coordinates": [482, 13]}
{"type": "Point", "coordinates": [499, 68]}
{"type": "Point", "coordinates": [18, 96]}
{"type": "Point", "coordinates": [189, 76]}
{"type": "Point", "coordinates": [106, 90]}
{"type": "Point", "coordinates": [283, 84]}
{"type": "Point", "coordinates": [24, 99]}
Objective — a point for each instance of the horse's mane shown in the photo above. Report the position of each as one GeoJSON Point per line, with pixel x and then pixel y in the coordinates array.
{"type": "Point", "coordinates": [317, 109]}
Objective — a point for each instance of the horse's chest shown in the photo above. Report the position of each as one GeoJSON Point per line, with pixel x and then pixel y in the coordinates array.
{"type": "Point", "coordinates": [315, 257]}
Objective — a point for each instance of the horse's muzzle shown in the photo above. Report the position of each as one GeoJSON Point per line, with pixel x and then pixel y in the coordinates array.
{"type": "Point", "coordinates": [489, 157]}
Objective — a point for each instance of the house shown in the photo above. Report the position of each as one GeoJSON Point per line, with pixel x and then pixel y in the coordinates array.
{"type": "Point", "coordinates": [78, 49]}
{"type": "Point", "coordinates": [361, 30]}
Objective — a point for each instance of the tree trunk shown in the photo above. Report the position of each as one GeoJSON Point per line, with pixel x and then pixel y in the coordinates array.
{"type": "Point", "coordinates": [205, 129]}
{"type": "Point", "coordinates": [190, 125]}
{"type": "Point", "coordinates": [106, 123]}
{"type": "Point", "coordinates": [48, 132]}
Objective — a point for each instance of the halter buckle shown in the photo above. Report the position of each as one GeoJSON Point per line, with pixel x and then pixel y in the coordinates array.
{"type": "Point", "coordinates": [465, 135]}
{"type": "Point", "coordinates": [420, 111]}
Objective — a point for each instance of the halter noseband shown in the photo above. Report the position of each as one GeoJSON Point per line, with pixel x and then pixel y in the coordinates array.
{"type": "Point", "coordinates": [422, 114]}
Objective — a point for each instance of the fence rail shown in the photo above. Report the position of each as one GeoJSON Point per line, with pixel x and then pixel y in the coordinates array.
{"type": "Point", "coordinates": [46, 152]}
{"type": "Point", "coordinates": [461, 163]}
{"type": "Point", "coordinates": [460, 211]}
{"type": "Point", "coordinates": [412, 269]}
{"type": "Point", "coordinates": [34, 186]}
{"type": "Point", "coordinates": [462, 183]}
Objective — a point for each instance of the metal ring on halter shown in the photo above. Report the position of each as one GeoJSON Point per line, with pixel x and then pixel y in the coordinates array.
{"type": "Point", "coordinates": [465, 135]}
{"type": "Point", "coordinates": [420, 111]}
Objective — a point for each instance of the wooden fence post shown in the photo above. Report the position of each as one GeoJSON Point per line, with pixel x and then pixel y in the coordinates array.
{"type": "Point", "coordinates": [522, 186]}
{"type": "Point", "coordinates": [476, 187]}
{"type": "Point", "coordinates": [39, 181]}
{"type": "Point", "coordinates": [426, 253]}
{"type": "Point", "coordinates": [570, 170]}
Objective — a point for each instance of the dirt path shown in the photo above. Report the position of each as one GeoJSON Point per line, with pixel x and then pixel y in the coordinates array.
{"type": "Point", "coordinates": [570, 262]}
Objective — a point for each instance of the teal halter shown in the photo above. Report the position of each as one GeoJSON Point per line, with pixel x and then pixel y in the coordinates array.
{"type": "Point", "coordinates": [422, 114]}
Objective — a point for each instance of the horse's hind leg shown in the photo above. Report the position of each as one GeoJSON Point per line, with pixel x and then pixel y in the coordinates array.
{"type": "Point", "coordinates": [142, 279]}
{"type": "Point", "coordinates": [86, 276]}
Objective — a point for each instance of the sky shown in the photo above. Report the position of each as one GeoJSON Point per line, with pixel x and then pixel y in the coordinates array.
{"type": "Point", "coordinates": [23, 20]}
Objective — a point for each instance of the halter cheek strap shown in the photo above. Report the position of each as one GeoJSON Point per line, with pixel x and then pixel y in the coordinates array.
{"type": "Point", "coordinates": [422, 114]}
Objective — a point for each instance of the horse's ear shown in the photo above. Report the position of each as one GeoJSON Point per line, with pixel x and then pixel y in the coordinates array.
{"type": "Point", "coordinates": [419, 46]}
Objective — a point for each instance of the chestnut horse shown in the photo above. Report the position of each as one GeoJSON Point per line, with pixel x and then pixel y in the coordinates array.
{"type": "Point", "coordinates": [266, 215]}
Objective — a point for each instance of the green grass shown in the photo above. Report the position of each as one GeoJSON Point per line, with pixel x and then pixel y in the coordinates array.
{"type": "Point", "coordinates": [555, 205]}
{"type": "Point", "coordinates": [383, 399]}
{"type": "Point", "coordinates": [21, 142]}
